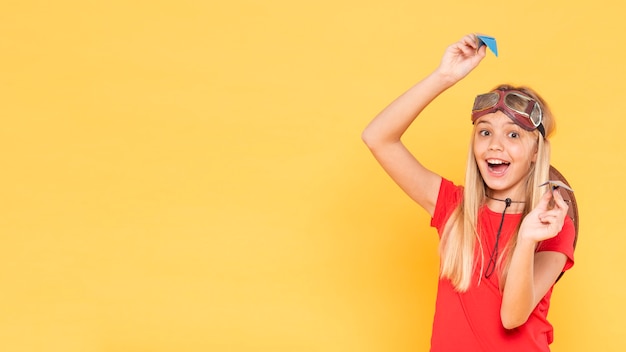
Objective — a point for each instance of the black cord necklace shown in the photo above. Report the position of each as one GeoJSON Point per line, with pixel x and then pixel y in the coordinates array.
{"type": "Point", "coordinates": [508, 200]}
{"type": "Point", "coordinates": [493, 257]}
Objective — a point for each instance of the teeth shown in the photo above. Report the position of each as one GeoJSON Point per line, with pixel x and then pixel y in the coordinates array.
{"type": "Point", "coordinates": [496, 162]}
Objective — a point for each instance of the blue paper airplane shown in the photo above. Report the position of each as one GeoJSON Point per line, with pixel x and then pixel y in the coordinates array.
{"type": "Point", "coordinates": [489, 41]}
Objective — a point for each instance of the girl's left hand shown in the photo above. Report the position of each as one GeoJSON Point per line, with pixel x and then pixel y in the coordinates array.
{"type": "Point", "coordinates": [544, 221]}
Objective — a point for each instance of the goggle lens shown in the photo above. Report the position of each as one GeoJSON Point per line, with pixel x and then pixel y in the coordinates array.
{"type": "Point", "coordinates": [536, 116]}
{"type": "Point", "coordinates": [485, 101]}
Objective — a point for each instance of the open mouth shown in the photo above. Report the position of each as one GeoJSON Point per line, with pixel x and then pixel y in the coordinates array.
{"type": "Point", "coordinates": [497, 166]}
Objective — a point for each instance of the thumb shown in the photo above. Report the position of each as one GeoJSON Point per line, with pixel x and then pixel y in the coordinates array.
{"type": "Point", "coordinates": [482, 52]}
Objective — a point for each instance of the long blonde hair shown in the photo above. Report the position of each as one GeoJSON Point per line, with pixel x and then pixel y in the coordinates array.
{"type": "Point", "coordinates": [460, 235]}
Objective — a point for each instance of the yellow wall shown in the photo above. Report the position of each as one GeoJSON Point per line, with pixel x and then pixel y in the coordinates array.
{"type": "Point", "coordinates": [189, 176]}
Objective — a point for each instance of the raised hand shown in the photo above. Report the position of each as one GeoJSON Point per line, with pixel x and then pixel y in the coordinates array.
{"type": "Point", "coordinates": [461, 58]}
{"type": "Point", "coordinates": [546, 220]}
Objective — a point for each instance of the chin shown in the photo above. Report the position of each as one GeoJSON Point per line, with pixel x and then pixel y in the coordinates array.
{"type": "Point", "coordinates": [495, 185]}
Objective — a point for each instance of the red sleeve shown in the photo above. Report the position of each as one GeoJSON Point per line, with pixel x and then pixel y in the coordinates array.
{"type": "Point", "coordinates": [449, 197]}
{"type": "Point", "coordinates": [563, 242]}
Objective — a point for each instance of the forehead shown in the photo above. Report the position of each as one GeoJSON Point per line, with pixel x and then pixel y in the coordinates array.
{"type": "Point", "coordinates": [495, 118]}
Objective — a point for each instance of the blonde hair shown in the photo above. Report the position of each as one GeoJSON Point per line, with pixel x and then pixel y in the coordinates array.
{"type": "Point", "coordinates": [461, 234]}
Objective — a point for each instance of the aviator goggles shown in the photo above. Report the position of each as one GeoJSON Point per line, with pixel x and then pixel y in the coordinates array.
{"type": "Point", "coordinates": [519, 107]}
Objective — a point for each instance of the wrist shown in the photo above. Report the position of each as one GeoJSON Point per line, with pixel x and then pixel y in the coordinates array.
{"type": "Point", "coordinates": [445, 78]}
{"type": "Point", "coordinates": [524, 242]}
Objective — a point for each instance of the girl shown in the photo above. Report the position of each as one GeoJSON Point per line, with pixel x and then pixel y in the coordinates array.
{"type": "Point", "coordinates": [504, 240]}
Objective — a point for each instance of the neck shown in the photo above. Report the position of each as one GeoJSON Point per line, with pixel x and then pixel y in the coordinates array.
{"type": "Point", "coordinates": [506, 200]}
{"type": "Point", "coordinates": [501, 205]}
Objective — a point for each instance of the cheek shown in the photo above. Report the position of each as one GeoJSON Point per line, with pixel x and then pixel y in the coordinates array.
{"type": "Point", "coordinates": [525, 152]}
{"type": "Point", "coordinates": [478, 147]}
{"type": "Point", "coordinates": [531, 148]}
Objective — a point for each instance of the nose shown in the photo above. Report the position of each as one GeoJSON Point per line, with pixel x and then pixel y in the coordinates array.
{"type": "Point", "coordinates": [495, 144]}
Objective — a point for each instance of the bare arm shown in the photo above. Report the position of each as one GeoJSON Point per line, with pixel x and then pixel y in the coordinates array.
{"type": "Point", "coordinates": [383, 134]}
{"type": "Point", "coordinates": [532, 274]}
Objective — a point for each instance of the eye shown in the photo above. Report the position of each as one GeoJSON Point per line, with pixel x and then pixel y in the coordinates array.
{"type": "Point", "coordinates": [484, 133]}
{"type": "Point", "coordinates": [514, 134]}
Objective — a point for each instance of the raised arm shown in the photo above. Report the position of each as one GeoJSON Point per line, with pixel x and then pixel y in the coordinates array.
{"type": "Point", "coordinates": [383, 134]}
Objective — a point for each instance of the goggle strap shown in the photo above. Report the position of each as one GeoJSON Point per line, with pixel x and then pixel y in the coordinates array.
{"type": "Point", "coordinates": [542, 130]}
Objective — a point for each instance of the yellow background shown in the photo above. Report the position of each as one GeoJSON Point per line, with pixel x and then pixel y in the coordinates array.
{"type": "Point", "coordinates": [189, 175]}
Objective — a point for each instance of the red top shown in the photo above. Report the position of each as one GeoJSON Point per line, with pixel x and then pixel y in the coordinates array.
{"type": "Point", "coordinates": [470, 321]}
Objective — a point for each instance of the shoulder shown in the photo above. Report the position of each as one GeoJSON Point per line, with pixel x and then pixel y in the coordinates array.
{"type": "Point", "coordinates": [449, 197]}
{"type": "Point", "coordinates": [449, 192]}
